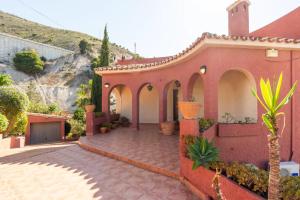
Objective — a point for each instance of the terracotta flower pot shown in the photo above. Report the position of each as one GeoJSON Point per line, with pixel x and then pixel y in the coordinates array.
{"type": "Point", "coordinates": [167, 128]}
{"type": "Point", "coordinates": [103, 129]}
{"type": "Point", "coordinates": [189, 110]}
{"type": "Point", "coordinates": [90, 108]}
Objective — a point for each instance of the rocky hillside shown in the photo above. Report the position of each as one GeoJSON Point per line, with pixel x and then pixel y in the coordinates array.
{"type": "Point", "coordinates": [59, 81]}
{"type": "Point", "coordinates": [67, 39]}
{"type": "Point", "coordinates": [61, 78]}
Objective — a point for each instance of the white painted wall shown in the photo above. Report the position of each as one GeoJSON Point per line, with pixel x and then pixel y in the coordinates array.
{"type": "Point", "coordinates": [10, 45]}
{"type": "Point", "coordinates": [235, 96]}
{"type": "Point", "coordinates": [149, 105]}
{"type": "Point", "coordinates": [198, 94]}
{"type": "Point", "coordinates": [170, 101]}
{"type": "Point", "coordinates": [123, 98]}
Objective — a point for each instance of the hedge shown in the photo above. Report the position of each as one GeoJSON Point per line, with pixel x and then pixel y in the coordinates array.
{"type": "Point", "coordinates": [28, 62]}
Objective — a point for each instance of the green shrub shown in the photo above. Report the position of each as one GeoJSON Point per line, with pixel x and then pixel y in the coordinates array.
{"type": "Point", "coordinates": [5, 80]}
{"type": "Point", "coordinates": [84, 46]}
{"type": "Point", "coordinates": [38, 108]}
{"type": "Point", "coordinates": [202, 152]}
{"type": "Point", "coordinates": [205, 124]}
{"type": "Point", "coordinates": [13, 103]}
{"type": "Point", "coordinates": [79, 115]}
{"type": "Point", "coordinates": [77, 127]}
{"type": "Point", "coordinates": [95, 63]}
{"type": "Point", "coordinates": [28, 62]}
{"type": "Point", "coordinates": [43, 108]}
{"type": "Point", "coordinates": [3, 123]}
{"type": "Point", "coordinates": [20, 126]}
{"type": "Point", "coordinates": [290, 188]}
{"type": "Point", "coordinates": [53, 108]}
{"type": "Point", "coordinates": [43, 58]}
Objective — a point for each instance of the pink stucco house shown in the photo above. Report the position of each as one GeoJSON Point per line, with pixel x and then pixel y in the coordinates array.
{"type": "Point", "coordinates": [218, 71]}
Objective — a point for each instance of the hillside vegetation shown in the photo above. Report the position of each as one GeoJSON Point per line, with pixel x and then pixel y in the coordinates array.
{"type": "Point", "coordinates": [67, 39]}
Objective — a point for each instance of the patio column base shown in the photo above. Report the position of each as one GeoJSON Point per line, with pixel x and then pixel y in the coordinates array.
{"type": "Point", "coordinates": [187, 127]}
{"type": "Point", "coordinates": [90, 123]}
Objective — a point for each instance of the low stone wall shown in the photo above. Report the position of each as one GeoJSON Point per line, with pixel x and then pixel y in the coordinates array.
{"type": "Point", "coordinates": [10, 45]}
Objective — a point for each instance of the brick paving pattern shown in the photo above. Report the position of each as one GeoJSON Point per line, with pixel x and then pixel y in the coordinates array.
{"type": "Point", "coordinates": [146, 145]}
{"type": "Point", "coordinates": [69, 172]}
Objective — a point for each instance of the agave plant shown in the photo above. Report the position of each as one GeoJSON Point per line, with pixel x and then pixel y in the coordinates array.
{"type": "Point", "coordinates": [271, 104]}
{"type": "Point", "coordinates": [202, 152]}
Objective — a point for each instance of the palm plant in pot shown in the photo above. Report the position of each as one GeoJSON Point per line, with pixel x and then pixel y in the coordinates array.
{"type": "Point", "coordinates": [189, 109]}
{"type": "Point", "coordinates": [84, 97]}
{"type": "Point", "coordinates": [271, 104]}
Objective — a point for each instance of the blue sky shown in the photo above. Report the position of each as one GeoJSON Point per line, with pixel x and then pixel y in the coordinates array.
{"type": "Point", "coordinates": [158, 27]}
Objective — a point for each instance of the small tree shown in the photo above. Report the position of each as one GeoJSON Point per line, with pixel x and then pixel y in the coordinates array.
{"type": "Point", "coordinates": [84, 46]}
{"type": "Point", "coordinates": [28, 62]}
{"type": "Point", "coordinates": [5, 80]}
{"type": "Point", "coordinates": [97, 80]}
{"type": "Point", "coordinates": [13, 104]}
{"type": "Point", "coordinates": [270, 103]}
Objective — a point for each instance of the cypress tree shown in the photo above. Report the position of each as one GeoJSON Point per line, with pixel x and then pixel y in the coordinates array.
{"type": "Point", "coordinates": [97, 80]}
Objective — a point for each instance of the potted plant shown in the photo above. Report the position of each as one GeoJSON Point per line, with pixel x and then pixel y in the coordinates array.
{"type": "Point", "coordinates": [124, 121]}
{"type": "Point", "coordinates": [189, 109]}
{"type": "Point", "coordinates": [103, 129]}
{"type": "Point", "coordinates": [167, 128]}
{"type": "Point", "coordinates": [90, 108]}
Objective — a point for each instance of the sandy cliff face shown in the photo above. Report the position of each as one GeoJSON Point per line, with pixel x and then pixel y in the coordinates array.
{"type": "Point", "coordinates": [59, 81]}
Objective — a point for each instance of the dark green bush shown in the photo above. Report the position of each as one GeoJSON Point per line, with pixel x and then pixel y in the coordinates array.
{"type": "Point", "coordinates": [77, 127]}
{"type": "Point", "coordinates": [43, 58]}
{"type": "Point", "coordinates": [5, 80]}
{"type": "Point", "coordinates": [3, 123]}
{"type": "Point", "coordinates": [205, 124]}
{"type": "Point", "coordinates": [84, 46]}
{"type": "Point", "coordinates": [202, 152]}
{"type": "Point", "coordinates": [28, 62]}
{"type": "Point", "coordinates": [53, 108]}
{"type": "Point", "coordinates": [79, 115]}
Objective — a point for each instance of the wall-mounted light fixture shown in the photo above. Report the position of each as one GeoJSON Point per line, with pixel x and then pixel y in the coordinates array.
{"type": "Point", "coordinates": [177, 84]}
{"type": "Point", "coordinates": [107, 85]}
{"type": "Point", "coordinates": [149, 87]}
{"type": "Point", "coordinates": [203, 69]}
{"type": "Point", "coordinates": [271, 53]}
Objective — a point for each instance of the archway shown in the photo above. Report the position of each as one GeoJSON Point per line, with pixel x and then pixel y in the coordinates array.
{"type": "Point", "coordinates": [196, 91]}
{"type": "Point", "coordinates": [120, 101]}
{"type": "Point", "coordinates": [236, 104]}
{"type": "Point", "coordinates": [173, 93]}
{"type": "Point", "coordinates": [148, 104]}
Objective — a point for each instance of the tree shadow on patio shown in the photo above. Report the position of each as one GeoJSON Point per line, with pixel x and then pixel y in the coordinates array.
{"type": "Point", "coordinates": [68, 172]}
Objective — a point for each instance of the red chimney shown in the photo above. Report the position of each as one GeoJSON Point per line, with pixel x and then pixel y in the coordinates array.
{"type": "Point", "coordinates": [238, 18]}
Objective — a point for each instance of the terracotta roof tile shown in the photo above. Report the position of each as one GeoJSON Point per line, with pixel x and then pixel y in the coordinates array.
{"type": "Point", "coordinates": [163, 60]}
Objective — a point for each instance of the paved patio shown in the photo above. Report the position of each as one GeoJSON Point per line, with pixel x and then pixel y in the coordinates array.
{"type": "Point", "coordinates": [65, 171]}
{"type": "Point", "coordinates": [144, 146]}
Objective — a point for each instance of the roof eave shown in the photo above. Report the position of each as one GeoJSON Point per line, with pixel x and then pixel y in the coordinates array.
{"type": "Point", "coordinates": [206, 43]}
